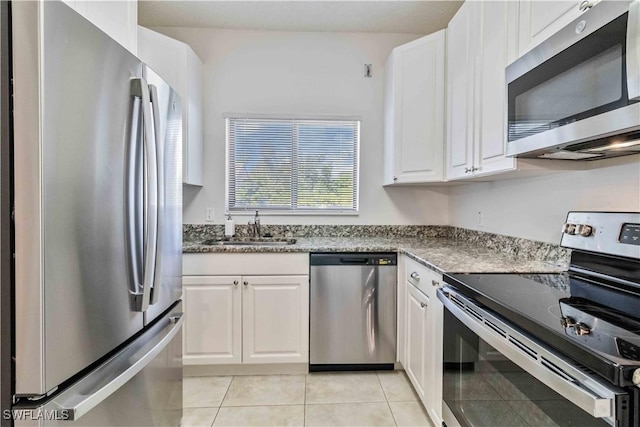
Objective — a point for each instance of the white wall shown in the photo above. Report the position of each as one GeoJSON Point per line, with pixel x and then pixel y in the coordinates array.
{"type": "Point", "coordinates": [535, 208]}
{"type": "Point", "coordinates": [269, 72]}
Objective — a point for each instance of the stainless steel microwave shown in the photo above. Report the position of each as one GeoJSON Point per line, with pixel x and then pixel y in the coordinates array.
{"type": "Point", "coordinates": [576, 95]}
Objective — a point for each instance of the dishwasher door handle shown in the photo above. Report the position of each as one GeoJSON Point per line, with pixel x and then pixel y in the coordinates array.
{"type": "Point", "coordinates": [362, 261]}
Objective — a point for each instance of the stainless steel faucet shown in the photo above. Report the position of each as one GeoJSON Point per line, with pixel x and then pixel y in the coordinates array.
{"type": "Point", "coordinates": [254, 226]}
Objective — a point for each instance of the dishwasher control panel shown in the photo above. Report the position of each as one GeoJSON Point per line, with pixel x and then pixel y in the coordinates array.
{"type": "Point", "coordinates": [353, 258]}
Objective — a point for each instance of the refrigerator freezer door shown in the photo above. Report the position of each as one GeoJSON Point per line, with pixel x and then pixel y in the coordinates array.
{"type": "Point", "coordinates": [139, 386]}
{"type": "Point", "coordinates": [167, 118]}
{"type": "Point", "coordinates": [74, 122]}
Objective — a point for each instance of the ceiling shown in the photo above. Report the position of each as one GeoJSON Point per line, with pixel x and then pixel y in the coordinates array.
{"type": "Point", "coordinates": [408, 17]}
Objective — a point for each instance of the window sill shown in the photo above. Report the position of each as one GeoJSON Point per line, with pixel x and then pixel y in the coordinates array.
{"type": "Point", "coordinates": [251, 213]}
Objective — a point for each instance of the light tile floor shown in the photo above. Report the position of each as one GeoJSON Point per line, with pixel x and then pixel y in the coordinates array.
{"type": "Point", "coordinates": [319, 399]}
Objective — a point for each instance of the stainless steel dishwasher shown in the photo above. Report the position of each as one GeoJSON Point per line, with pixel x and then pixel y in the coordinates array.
{"type": "Point", "coordinates": [353, 311]}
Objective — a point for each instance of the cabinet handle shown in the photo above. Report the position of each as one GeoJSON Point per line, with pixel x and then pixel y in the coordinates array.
{"type": "Point", "coordinates": [435, 283]}
{"type": "Point", "coordinates": [235, 283]}
{"type": "Point", "coordinates": [423, 305]}
{"type": "Point", "coordinates": [467, 170]}
{"type": "Point", "coordinates": [245, 283]}
{"type": "Point", "coordinates": [415, 275]}
{"type": "Point", "coordinates": [395, 178]}
{"type": "Point", "coordinates": [473, 169]}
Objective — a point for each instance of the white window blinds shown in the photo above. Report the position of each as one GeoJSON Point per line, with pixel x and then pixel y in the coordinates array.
{"type": "Point", "coordinates": [292, 164]}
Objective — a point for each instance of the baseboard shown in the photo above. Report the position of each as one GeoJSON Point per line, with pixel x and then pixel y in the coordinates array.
{"type": "Point", "coordinates": [265, 369]}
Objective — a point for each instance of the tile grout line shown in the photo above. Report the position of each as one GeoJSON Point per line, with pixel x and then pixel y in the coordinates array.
{"type": "Point", "coordinates": [214, 418]}
{"type": "Point", "coordinates": [386, 400]}
{"type": "Point", "coordinates": [223, 397]}
{"type": "Point", "coordinates": [304, 410]}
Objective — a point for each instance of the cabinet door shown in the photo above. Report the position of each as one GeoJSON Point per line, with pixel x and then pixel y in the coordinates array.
{"type": "Point", "coordinates": [213, 315]}
{"type": "Point", "coordinates": [459, 160]}
{"type": "Point", "coordinates": [540, 19]}
{"type": "Point", "coordinates": [390, 90]}
{"type": "Point", "coordinates": [419, 125]}
{"type": "Point", "coordinates": [179, 66]}
{"type": "Point", "coordinates": [433, 356]}
{"type": "Point", "coordinates": [275, 319]}
{"type": "Point", "coordinates": [496, 47]}
{"type": "Point", "coordinates": [417, 338]}
{"type": "Point", "coordinates": [117, 18]}
{"type": "Point", "coordinates": [401, 300]}
{"type": "Point", "coordinates": [192, 147]}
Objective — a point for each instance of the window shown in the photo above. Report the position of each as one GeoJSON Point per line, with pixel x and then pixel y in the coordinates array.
{"type": "Point", "coordinates": [292, 164]}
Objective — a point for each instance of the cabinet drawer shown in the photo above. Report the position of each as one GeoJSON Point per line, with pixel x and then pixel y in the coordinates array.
{"type": "Point", "coordinates": [422, 277]}
{"type": "Point", "coordinates": [214, 264]}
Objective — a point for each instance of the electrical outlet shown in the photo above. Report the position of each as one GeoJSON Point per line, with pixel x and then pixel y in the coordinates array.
{"type": "Point", "coordinates": [210, 214]}
{"type": "Point", "coordinates": [480, 219]}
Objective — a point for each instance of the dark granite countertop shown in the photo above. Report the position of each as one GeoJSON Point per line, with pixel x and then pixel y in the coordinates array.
{"type": "Point", "coordinates": [440, 254]}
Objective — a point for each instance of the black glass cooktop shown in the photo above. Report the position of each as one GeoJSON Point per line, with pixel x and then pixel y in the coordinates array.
{"type": "Point", "coordinates": [594, 324]}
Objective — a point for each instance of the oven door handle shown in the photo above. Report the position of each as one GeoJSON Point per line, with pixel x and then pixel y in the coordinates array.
{"type": "Point", "coordinates": [554, 370]}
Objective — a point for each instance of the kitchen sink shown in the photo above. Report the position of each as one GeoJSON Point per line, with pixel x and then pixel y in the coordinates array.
{"type": "Point", "coordinates": [249, 242]}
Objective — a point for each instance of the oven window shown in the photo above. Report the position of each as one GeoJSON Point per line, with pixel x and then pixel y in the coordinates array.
{"type": "Point", "coordinates": [484, 388]}
{"type": "Point", "coordinates": [586, 79]}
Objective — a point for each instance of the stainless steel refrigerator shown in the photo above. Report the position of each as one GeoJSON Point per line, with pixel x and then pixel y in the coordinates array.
{"type": "Point", "coordinates": [97, 196]}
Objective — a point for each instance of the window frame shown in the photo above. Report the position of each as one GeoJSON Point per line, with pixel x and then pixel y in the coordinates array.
{"type": "Point", "coordinates": [264, 211]}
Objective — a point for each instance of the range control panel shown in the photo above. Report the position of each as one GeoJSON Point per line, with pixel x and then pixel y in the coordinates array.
{"type": "Point", "coordinates": [613, 233]}
{"type": "Point", "coordinates": [630, 234]}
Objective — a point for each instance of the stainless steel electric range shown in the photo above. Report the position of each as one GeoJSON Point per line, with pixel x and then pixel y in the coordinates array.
{"type": "Point", "coordinates": [557, 349]}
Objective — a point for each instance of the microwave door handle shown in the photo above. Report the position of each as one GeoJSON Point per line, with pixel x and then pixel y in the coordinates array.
{"type": "Point", "coordinates": [159, 183]}
{"type": "Point", "coordinates": [633, 51]}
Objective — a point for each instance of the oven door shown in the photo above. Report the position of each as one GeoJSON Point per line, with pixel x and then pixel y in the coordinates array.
{"type": "Point", "coordinates": [494, 375]}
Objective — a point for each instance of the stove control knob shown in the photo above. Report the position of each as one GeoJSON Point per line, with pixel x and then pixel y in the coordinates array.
{"type": "Point", "coordinates": [584, 230]}
{"type": "Point", "coordinates": [569, 229]}
{"type": "Point", "coordinates": [581, 329]}
{"type": "Point", "coordinates": [567, 322]}
{"type": "Point", "coordinates": [636, 377]}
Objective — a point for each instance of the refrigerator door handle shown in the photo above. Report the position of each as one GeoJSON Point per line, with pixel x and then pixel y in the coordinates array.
{"type": "Point", "coordinates": [133, 205]}
{"type": "Point", "coordinates": [82, 397]}
{"type": "Point", "coordinates": [155, 111]}
{"type": "Point", "coordinates": [141, 89]}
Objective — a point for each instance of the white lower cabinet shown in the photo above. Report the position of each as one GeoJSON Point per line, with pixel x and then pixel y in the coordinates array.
{"type": "Point", "coordinates": [417, 338]}
{"type": "Point", "coordinates": [246, 319]}
{"type": "Point", "coordinates": [275, 319]}
{"type": "Point", "coordinates": [422, 353]}
{"type": "Point", "coordinates": [213, 320]}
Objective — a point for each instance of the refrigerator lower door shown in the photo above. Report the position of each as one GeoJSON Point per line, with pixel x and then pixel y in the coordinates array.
{"type": "Point", "coordinates": [167, 126]}
{"type": "Point", "coordinates": [139, 386]}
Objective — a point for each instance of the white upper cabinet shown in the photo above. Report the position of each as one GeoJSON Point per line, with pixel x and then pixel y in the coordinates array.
{"type": "Point", "coordinates": [496, 38]}
{"type": "Point", "coordinates": [540, 19]}
{"type": "Point", "coordinates": [119, 19]}
{"type": "Point", "coordinates": [480, 43]}
{"type": "Point", "coordinates": [178, 64]}
{"type": "Point", "coordinates": [414, 111]}
{"type": "Point", "coordinates": [459, 93]}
